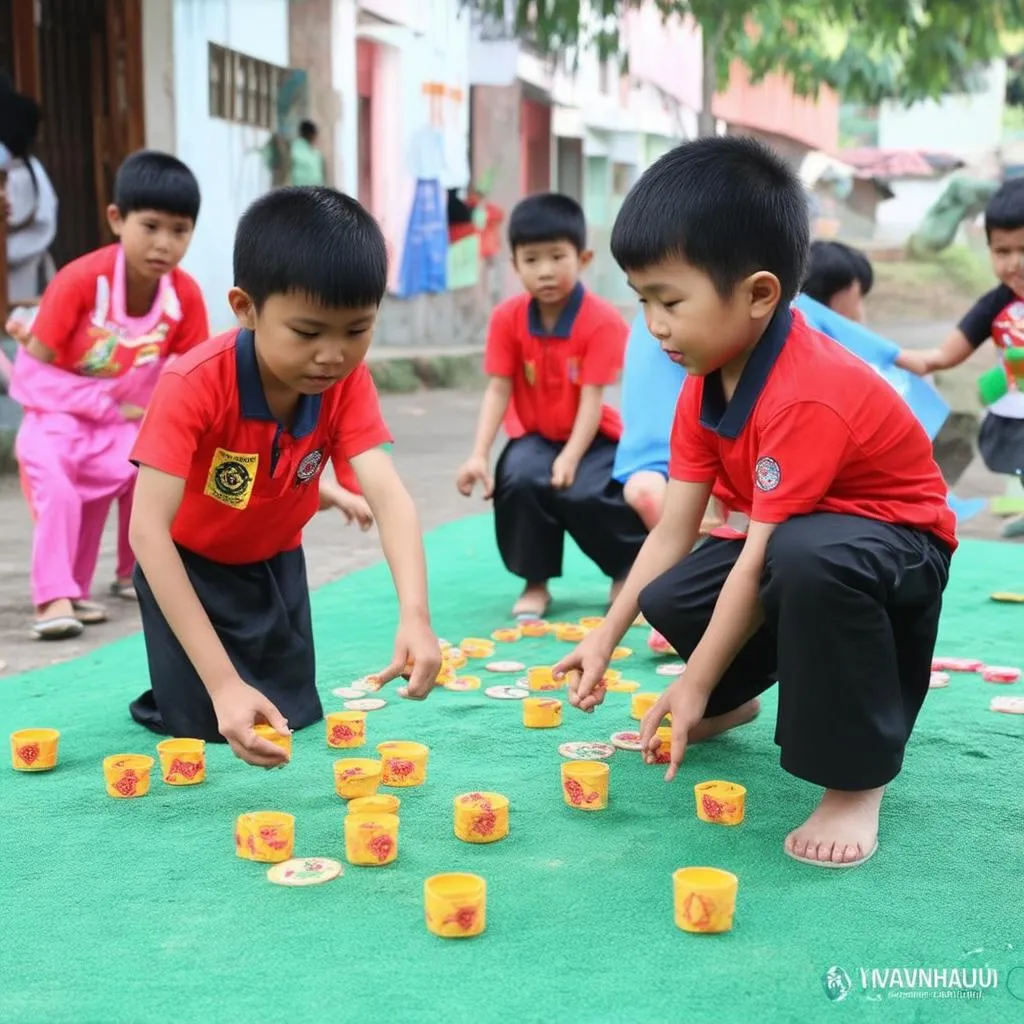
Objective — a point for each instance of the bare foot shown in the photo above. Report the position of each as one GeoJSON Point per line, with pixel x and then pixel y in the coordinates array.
{"type": "Point", "coordinates": [533, 601]}
{"type": "Point", "coordinates": [710, 727]}
{"type": "Point", "coordinates": [842, 830]}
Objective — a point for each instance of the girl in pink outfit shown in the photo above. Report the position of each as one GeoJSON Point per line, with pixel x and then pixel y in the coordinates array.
{"type": "Point", "coordinates": [106, 326]}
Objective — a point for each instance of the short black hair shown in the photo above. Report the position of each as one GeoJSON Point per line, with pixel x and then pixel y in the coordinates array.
{"type": "Point", "coordinates": [1005, 210]}
{"type": "Point", "coordinates": [151, 180]}
{"type": "Point", "coordinates": [832, 267]}
{"type": "Point", "coordinates": [314, 241]}
{"type": "Point", "coordinates": [547, 217]}
{"type": "Point", "coordinates": [728, 206]}
{"type": "Point", "coordinates": [308, 130]}
{"type": "Point", "coordinates": [19, 123]}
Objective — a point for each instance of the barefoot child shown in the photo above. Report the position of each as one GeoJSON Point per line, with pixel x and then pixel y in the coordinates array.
{"type": "Point", "coordinates": [229, 456]}
{"type": "Point", "coordinates": [105, 327]}
{"type": "Point", "coordinates": [550, 354]}
{"type": "Point", "coordinates": [837, 588]}
{"type": "Point", "coordinates": [999, 315]}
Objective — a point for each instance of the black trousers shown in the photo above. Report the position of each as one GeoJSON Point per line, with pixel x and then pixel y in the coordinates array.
{"type": "Point", "coordinates": [851, 615]}
{"type": "Point", "coordinates": [261, 613]}
{"type": "Point", "coordinates": [531, 517]}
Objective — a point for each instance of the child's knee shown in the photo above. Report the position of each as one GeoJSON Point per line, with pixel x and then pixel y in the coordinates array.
{"type": "Point", "coordinates": [645, 494]}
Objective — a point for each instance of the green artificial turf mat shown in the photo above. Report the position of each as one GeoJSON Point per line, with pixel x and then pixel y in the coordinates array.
{"type": "Point", "coordinates": [130, 912]}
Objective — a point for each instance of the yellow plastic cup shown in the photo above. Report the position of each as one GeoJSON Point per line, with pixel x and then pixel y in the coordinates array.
{"type": "Point", "coordinates": [34, 750]}
{"type": "Point", "coordinates": [705, 899]}
{"type": "Point", "coordinates": [721, 803]}
{"type": "Point", "coordinates": [371, 839]}
{"type": "Point", "coordinates": [182, 761]}
{"type": "Point", "coordinates": [477, 647]}
{"type": "Point", "coordinates": [346, 729]}
{"type": "Point", "coordinates": [612, 675]}
{"type": "Point", "coordinates": [622, 685]}
{"type": "Point", "coordinates": [380, 803]}
{"type": "Point", "coordinates": [446, 674]}
{"type": "Point", "coordinates": [642, 703]}
{"type": "Point", "coordinates": [569, 632]}
{"type": "Point", "coordinates": [403, 763]}
{"type": "Point", "coordinates": [591, 621]}
{"type": "Point", "coordinates": [542, 678]}
{"type": "Point", "coordinates": [454, 658]}
{"type": "Point", "coordinates": [455, 905]}
{"type": "Point", "coordinates": [481, 817]}
{"type": "Point", "coordinates": [282, 740]}
{"type": "Point", "coordinates": [542, 713]}
{"type": "Point", "coordinates": [356, 776]}
{"type": "Point", "coordinates": [621, 652]}
{"type": "Point", "coordinates": [535, 628]}
{"type": "Point", "coordinates": [265, 836]}
{"type": "Point", "coordinates": [663, 755]}
{"type": "Point", "coordinates": [127, 775]}
{"type": "Point", "coordinates": [507, 636]}
{"type": "Point", "coordinates": [585, 784]}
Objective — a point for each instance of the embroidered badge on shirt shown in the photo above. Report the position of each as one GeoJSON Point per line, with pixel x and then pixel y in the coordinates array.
{"type": "Point", "coordinates": [530, 372]}
{"type": "Point", "coordinates": [231, 477]}
{"type": "Point", "coordinates": [767, 474]}
{"type": "Point", "coordinates": [309, 466]}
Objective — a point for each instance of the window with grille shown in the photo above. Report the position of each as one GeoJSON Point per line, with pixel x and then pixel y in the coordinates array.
{"type": "Point", "coordinates": [243, 89]}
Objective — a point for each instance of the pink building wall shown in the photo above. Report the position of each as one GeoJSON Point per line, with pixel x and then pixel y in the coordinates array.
{"type": "Point", "coordinates": [666, 54]}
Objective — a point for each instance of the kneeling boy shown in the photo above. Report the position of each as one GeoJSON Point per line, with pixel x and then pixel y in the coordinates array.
{"type": "Point", "coordinates": [836, 590]}
{"type": "Point", "coordinates": [551, 352]}
{"type": "Point", "coordinates": [229, 458]}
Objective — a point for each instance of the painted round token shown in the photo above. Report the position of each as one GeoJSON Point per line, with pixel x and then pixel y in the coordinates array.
{"type": "Point", "coordinates": [1008, 598]}
{"type": "Point", "coordinates": [1008, 705]}
{"type": "Point", "coordinates": [348, 692]}
{"type": "Point", "coordinates": [627, 741]}
{"type": "Point", "coordinates": [464, 683]}
{"type": "Point", "coordinates": [366, 704]}
{"type": "Point", "coordinates": [304, 871]}
{"type": "Point", "coordinates": [938, 680]}
{"type": "Point", "coordinates": [622, 686]}
{"type": "Point", "coordinates": [505, 666]}
{"type": "Point", "coordinates": [507, 692]}
{"type": "Point", "coordinates": [587, 751]}
{"type": "Point", "coordinates": [621, 652]}
{"type": "Point", "coordinates": [957, 665]}
{"type": "Point", "coordinates": [1000, 674]}
{"type": "Point", "coordinates": [672, 668]}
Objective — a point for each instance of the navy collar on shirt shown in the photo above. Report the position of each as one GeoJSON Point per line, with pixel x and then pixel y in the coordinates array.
{"type": "Point", "coordinates": [727, 419]}
{"type": "Point", "coordinates": [253, 399]}
{"type": "Point", "coordinates": [566, 319]}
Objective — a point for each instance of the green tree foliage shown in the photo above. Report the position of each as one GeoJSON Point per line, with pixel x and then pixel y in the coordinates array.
{"type": "Point", "coordinates": [867, 50]}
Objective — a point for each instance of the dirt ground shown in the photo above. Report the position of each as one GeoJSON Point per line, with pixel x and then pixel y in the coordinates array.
{"type": "Point", "coordinates": [433, 430]}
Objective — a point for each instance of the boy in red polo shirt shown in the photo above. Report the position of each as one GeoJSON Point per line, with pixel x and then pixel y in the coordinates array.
{"type": "Point", "coordinates": [229, 458]}
{"type": "Point", "coordinates": [836, 590]}
{"type": "Point", "coordinates": [550, 354]}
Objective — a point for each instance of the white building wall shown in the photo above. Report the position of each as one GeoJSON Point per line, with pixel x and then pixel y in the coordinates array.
{"type": "Point", "coordinates": [225, 157]}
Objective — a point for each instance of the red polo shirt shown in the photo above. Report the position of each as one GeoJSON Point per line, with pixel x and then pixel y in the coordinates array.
{"type": "Point", "coordinates": [250, 484]}
{"type": "Point", "coordinates": [586, 347]}
{"type": "Point", "coordinates": [810, 428]}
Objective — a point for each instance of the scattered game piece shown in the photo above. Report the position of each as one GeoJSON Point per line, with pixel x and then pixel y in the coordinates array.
{"type": "Point", "coordinates": [464, 683]}
{"type": "Point", "coordinates": [621, 652]}
{"type": "Point", "coordinates": [507, 692]}
{"type": "Point", "coordinates": [1000, 674]}
{"type": "Point", "coordinates": [366, 704]}
{"type": "Point", "coordinates": [348, 692]}
{"type": "Point", "coordinates": [586, 751]}
{"type": "Point", "coordinates": [957, 665]}
{"type": "Point", "coordinates": [938, 680]}
{"type": "Point", "coordinates": [505, 666]}
{"type": "Point", "coordinates": [591, 621]}
{"type": "Point", "coordinates": [1008, 705]}
{"type": "Point", "coordinates": [534, 627]}
{"type": "Point", "coordinates": [1007, 598]}
{"type": "Point", "coordinates": [622, 685]}
{"type": "Point", "coordinates": [659, 645]}
{"type": "Point", "coordinates": [304, 871]}
{"type": "Point", "coordinates": [627, 741]}
{"type": "Point", "coordinates": [673, 668]}
{"type": "Point", "coordinates": [507, 636]}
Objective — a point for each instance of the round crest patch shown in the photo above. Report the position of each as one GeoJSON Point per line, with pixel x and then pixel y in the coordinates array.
{"type": "Point", "coordinates": [309, 465]}
{"type": "Point", "coordinates": [767, 474]}
{"type": "Point", "coordinates": [231, 478]}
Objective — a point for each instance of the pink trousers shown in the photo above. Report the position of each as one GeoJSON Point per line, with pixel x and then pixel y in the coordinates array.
{"type": "Point", "coordinates": [72, 473]}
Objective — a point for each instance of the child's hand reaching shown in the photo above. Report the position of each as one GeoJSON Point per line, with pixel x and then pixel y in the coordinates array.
{"type": "Point", "coordinates": [354, 507]}
{"type": "Point", "coordinates": [686, 704]}
{"type": "Point", "coordinates": [917, 361]}
{"type": "Point", "coordinates": [18, 330]}
{"type": "Point", "coordinates": [472, 472]}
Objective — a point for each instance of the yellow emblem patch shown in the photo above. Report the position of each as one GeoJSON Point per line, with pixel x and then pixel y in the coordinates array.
{"type": "Point", "coordinates": [530, 372]}
{"type": "Point", "coordinates": [231, 477]}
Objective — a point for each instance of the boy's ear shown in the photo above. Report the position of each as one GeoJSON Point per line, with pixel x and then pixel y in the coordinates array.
{"type": "Point", "coordinates": [114, 220]}
{"type": "Point", "coordinates": [585, 257]}
{"type": "Point", "coordinates": [243, 307]}
{"type": "Point", "coordinates": [765, 292]}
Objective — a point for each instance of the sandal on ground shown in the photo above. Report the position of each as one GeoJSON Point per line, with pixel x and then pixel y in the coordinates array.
{"type": "Point", "coordinates": [124, 591]}
{"type": "Point", "coordinates": [89, 613]}
{"type": "Point", "coordinates": [527, 614]}
{"type": "Point", "coordinates": [63, 627]}
{"type": "Point", "coordinates": [831, 864]}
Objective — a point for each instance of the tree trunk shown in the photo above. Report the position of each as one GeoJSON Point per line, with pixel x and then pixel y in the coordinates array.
{"type": "Point", "coordinates": [709, 80]}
